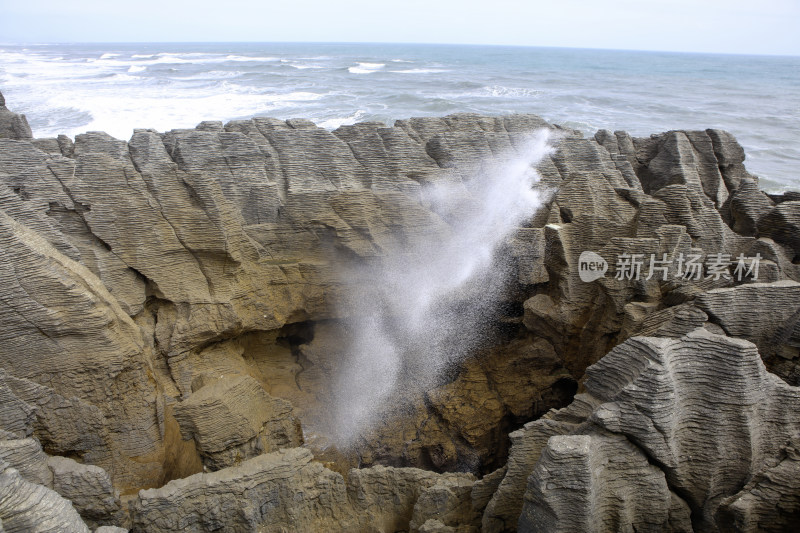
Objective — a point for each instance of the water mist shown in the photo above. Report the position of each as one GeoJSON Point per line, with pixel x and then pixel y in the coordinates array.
{"type": "Point", "coordinates": [423, 310]}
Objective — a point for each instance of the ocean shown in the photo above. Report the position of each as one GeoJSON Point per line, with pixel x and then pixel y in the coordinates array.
{"type": "Point", "coordinates": [72, 88]}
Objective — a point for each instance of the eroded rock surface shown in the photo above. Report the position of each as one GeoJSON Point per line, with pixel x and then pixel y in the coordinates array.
{"type": "Point", "coordinates": [177, 302]}
{"type": "Point", "coordinates": [12, 125]}
{"type": "Point", "coordinates": [288, 489]}
{"type": "Point", "coordinates": [676, 428]}
{"type": "Point", "coordinates": [29, 507]}
{"type": "Point", "coordinates": [233, 419]}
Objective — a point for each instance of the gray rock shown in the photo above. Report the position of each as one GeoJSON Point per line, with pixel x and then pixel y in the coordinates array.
{"type": "Point", "coordinates": [136, 273]}
{"type": "Point", "coordinates": [598, 483]}
{"type": "Point", "coordinates": [26, 507]}
{"type": "Point", "coordinates": [748, 205]}
{"type": "Point", "coordinates": [27, 457]}
{"type": "Point", "coordinates": [484, 489]}
{"type": "Point", "coordinates": [675, 321]}
{"type": "Point", "coordinates": [66, 145]}
{"type": "Point", "coordinates": [503, 510]}
{"type": "Point", "coordinates": [233, 419]}
{"type": "Point", "coordinates": [89, 489]}
{"type": "Point", "coordinates": [770, 501]}
{"type": "Point", "coordinates": [688, 159]}
{"type": "Point", "coordinates": [63, 425]}
{"type": "Point", "coordinates": [48, 145]}
{"type": "Point", "coordinates": [767, 314]}
{"type": "Point", "coordinates": [449, 501]}
{"type": "Point", "coordinates": [392, 499]}
{"type": "Point", "coordinates": [782, 224]}
{"type": "Point", "coordinates": [730, 157]}
{"type": "Point", "coordinates": [653, 417]}
{"type": "Point", "coordinates": [657, 393]}
{"type": "Point", "coordinates": [12, 125]}
{"type": "Point", "coordinates": [17, 417]}
{"type": "Point", "coordinates": [435, 526]}
{"type": "Point", "coordinates": [267, 492]}
{"type": "Point", "coordinates": [55, 309]}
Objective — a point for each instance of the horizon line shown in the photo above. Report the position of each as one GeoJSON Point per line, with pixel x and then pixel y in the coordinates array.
{"type": "Point", "coordinates": [401, 43]}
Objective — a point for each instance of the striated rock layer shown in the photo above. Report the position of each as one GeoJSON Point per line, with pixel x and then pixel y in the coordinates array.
{"type": "Point", "coordinates": [175, 313]}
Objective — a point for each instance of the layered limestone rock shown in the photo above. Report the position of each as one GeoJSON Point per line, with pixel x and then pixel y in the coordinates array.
{"type": "Point", "coordinates": [598, 483]}
{"type": "Point", "coordinates": [267, 492]}
{"type": "Point", "coordinates": [29, 507]}
{"type": "Point", "coordinates": [234, 419]}
{"type": "Point", "coordinates": [89, 489]}
{"type": "Point", "coordinates": [771, 499]}
{"type": "Point", "coordinates": [676, 428]}
{"type": "Point", "coordinates": [87, 350]}
{"type": "Point", "coordinates": [287, 489]}
{"type": "Point", "coordinates": [179, 301]}
{"type": "Point", "coordinates": [12, 125]}
{"type": "Point", "coordinates": [504, 507]}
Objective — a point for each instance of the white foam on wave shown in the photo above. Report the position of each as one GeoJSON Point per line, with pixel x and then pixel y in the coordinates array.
{"type": "Point", "coordinates": [108, 56]}
{"type": "Point", "coordinates": [296, 96]}
{"type": "Point", "coordinates": [366, 68]}
{"type": "Point", "coordinates": [510, 92]}
{"type": "Point", "coordinates": [190, 58]}
{"type": "Point", "coordinates": [75, 95]}
{"type": "Point", "coordinates": [333, 123]}
{"type": "Point", "coordinates": [251, 58]}
{"type": "Point", "coordinates": [303, 66]}
{"type": "Point", "coordinates": [118, 113]}
{"type": "Point", "coordinates": [182, 54]}
{"type": "Point", "coordinates": [34, 69]}
{"type": "Point", "coordinates": [120, 77]}
{"type": "Point", "coordinates": [210, 75]}
{"type": "Point", "coordinates": [420, 71]}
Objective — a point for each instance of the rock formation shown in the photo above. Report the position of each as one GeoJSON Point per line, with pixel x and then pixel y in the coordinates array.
{"type": "Point", "coordinates": [176, 315]}
{"type": "Point", "coordinates": [12, 125]}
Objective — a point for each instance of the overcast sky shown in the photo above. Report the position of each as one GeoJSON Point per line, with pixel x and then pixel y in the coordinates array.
{"type": "Point", "coordinates": [726, 26]}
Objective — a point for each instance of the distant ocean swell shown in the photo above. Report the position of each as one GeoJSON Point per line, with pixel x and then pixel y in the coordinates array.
{"type": "Point", "coordinates": [75, 88]}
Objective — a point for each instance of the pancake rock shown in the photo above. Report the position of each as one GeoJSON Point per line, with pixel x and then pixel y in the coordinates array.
{"type": "Point", "coordinates": [671, 430]}
{"type": "Point", "coordinates": [178, 309]}
{"type": "Point", "coordinates": [12, 125]}
{"type": "Point", "coordinates": [30, 507]}
{"type": "Point", "coordinates": [234, 419]}
{"type": "Point", "coordinates": [286, 488]}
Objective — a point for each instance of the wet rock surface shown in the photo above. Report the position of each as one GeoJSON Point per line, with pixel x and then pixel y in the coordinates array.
{"type": "Point", "coordinates": [175, 321]}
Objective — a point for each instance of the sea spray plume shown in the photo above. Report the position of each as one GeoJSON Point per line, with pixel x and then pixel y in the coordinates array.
{"type": "Point", "coordinates": [423, 309]}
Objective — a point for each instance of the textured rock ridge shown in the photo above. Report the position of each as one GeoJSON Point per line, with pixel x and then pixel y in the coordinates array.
{"type": "Point", "coordinates": [175, 316]}
{"type": "Point", "coordinates": [676, 428]}
{"type": "Point", "coordinates": [234, 419]}
{"type": "Point", "coordinates": [29, 507]}
{"type": "Point", "coordinates": [286, 488]}
{"type": "Point", "coordinates": [12, 125]}
{"type": "Point", "coordinates": [599, 483]}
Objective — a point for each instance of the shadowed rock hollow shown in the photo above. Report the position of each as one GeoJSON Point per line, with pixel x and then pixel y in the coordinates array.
{"type": "Point", "coordinates": [178, 310]}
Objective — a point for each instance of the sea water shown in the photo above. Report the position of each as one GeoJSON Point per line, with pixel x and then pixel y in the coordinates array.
{"type": "Point", "coordinates": [72, 88]}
